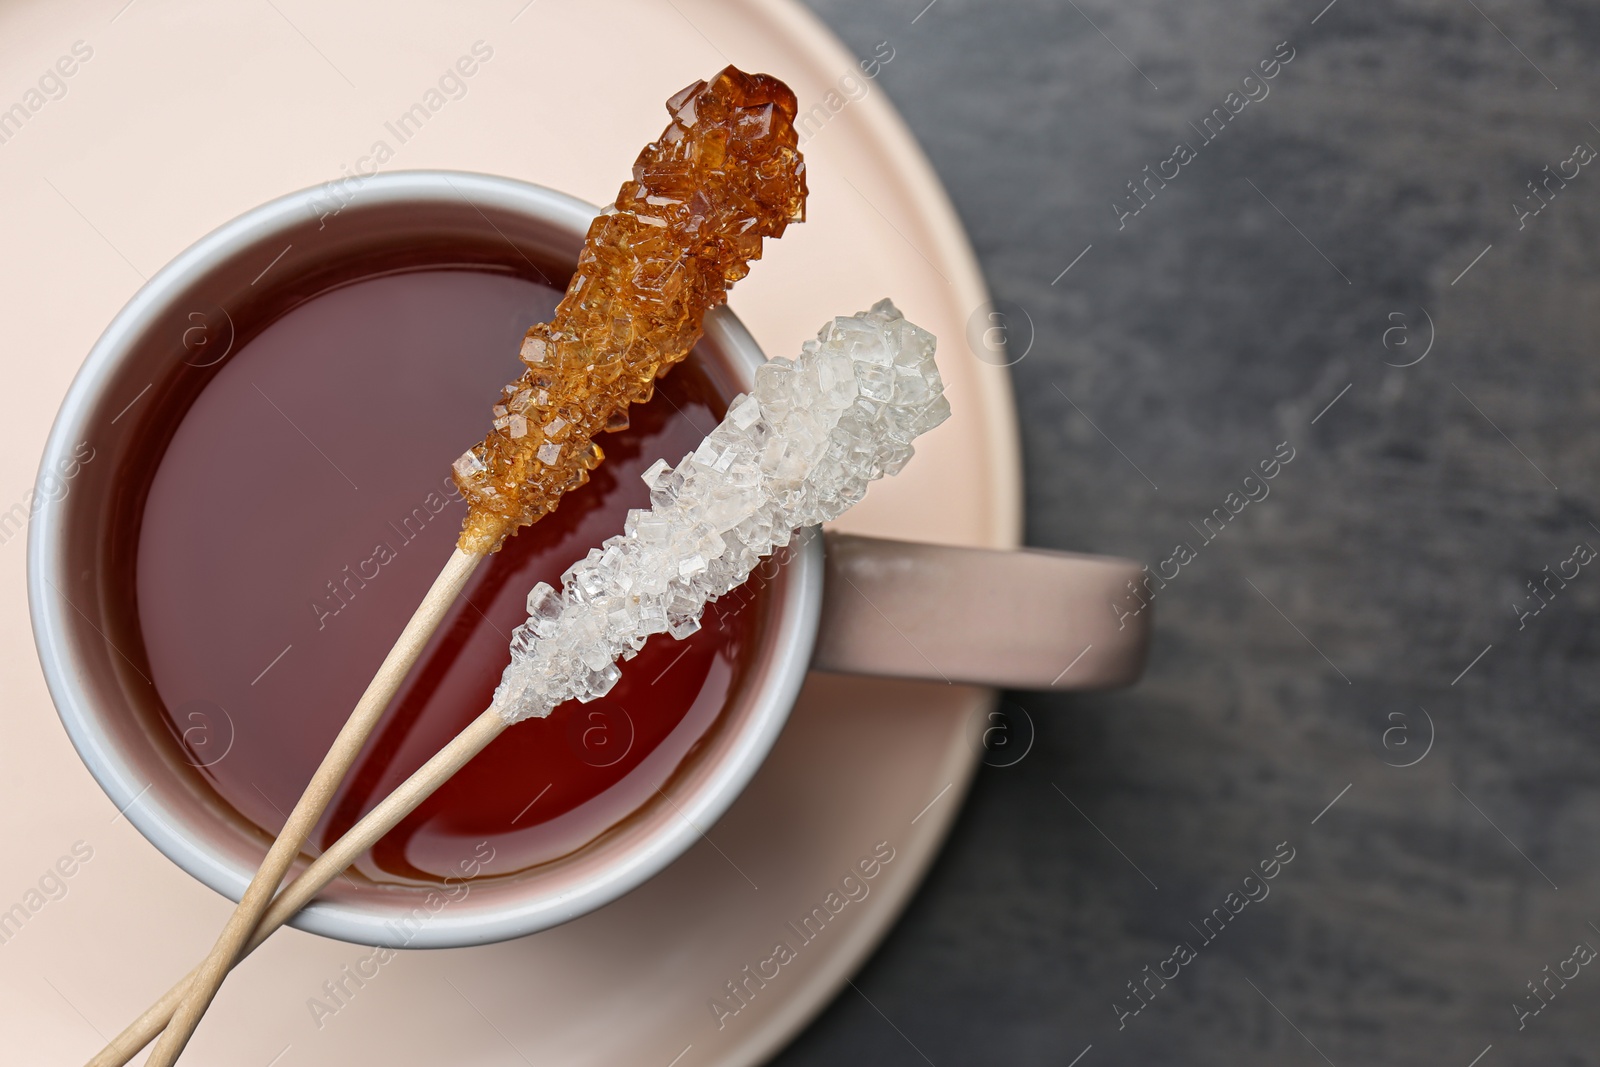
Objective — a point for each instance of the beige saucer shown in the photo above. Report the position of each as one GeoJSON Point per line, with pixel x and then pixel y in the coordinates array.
{"type": "Point", "coordinates": [185, 114]}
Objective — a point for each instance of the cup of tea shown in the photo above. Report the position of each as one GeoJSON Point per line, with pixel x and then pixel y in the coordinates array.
{"type": "Point", "coordinates": [249, 491]}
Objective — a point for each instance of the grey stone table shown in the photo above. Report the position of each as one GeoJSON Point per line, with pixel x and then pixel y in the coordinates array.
{"type": "Point", "coordinates": [1348, 266]}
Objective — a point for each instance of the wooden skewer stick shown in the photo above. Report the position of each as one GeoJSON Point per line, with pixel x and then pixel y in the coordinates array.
{"type": "Point", "coordinates": [312, 803]}
{"type": "Point", "coordinates": [300, 892]}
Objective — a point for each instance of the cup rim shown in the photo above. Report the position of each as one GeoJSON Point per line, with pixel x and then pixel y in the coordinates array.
{"type": "Point", "coordinates": [773, 680]}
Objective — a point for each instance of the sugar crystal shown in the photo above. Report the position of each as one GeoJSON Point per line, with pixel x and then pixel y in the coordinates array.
{"type": "Point", "coordinates": [725, 174]}
{"type": "Point", "coordinates": [797, 452]}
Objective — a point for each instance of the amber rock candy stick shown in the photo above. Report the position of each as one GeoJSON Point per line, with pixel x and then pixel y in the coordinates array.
{"type": "Point", "coordinates": [726, 173]}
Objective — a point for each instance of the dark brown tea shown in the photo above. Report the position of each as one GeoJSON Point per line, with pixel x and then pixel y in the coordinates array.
{"type": "Point", "coordinates": [301, 510]}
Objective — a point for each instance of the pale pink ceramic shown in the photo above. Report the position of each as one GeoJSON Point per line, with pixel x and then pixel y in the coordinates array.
{"type": "Point", "coordinates": [188, 114]}
{"type": "Point", "coordinates": [888, 608]}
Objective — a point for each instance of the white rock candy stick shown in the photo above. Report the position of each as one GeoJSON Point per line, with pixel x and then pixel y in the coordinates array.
{"type": "Point", "coordinates": [797, 452]}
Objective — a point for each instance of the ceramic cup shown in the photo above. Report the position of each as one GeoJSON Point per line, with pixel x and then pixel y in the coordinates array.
{"type": "Point", "coordinates": [1026, 619]}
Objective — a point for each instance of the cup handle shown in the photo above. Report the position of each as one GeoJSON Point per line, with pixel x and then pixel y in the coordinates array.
{"type": "Point", "coordinates": [1025, 619]}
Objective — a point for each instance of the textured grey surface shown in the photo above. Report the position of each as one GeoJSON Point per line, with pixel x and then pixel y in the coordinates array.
{"type": "Point", "coordinates": [1222, 320]}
